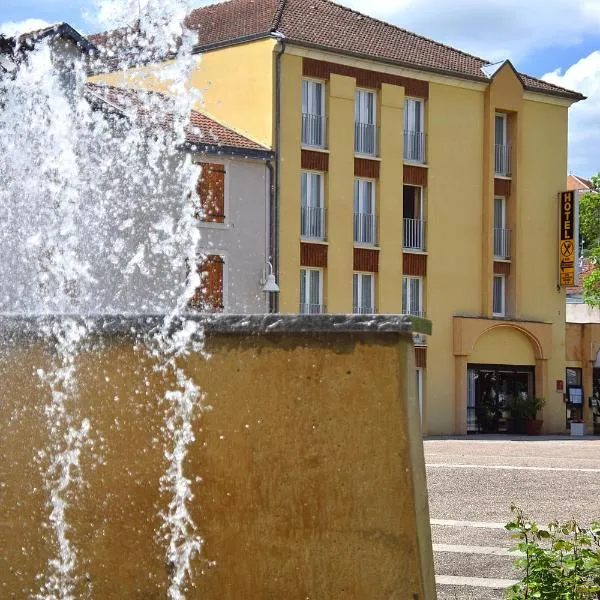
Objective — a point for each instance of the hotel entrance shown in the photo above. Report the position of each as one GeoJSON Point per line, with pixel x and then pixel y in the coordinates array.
{"type": "Point", "coordinates": [489, 388]}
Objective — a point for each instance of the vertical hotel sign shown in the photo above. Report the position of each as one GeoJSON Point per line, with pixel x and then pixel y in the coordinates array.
{"type": "Point", "coordinates": [567, 239]}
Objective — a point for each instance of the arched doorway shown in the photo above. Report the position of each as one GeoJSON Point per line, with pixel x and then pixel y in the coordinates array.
{"type": "Point", "coordinates": [500, 367]}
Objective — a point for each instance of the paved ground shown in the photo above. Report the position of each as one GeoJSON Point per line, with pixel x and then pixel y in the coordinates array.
{"type": "Point", "coordinates": [472, 483]}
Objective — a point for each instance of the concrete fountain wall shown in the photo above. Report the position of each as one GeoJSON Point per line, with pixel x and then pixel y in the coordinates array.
{"type": "Point", "coordinates": [313, 480]}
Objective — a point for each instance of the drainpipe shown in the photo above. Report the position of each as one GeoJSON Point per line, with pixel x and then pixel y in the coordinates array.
{"type": "Point", "coordinates": [276, 204]}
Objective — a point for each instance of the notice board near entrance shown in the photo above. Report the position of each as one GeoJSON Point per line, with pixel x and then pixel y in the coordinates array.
{"type": "Point", "coordinates": [566, 261]}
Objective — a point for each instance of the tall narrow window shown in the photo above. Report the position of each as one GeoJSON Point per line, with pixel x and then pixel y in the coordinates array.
{"type": "Point", "coordinates": [363, 293]}
{"type": "Point", "coordinates": [311, 291]}
{"type": "Point", "coordinates": [364, 212]}
{"type": "Point", "coordinates": [501, 233]}
{"type": "Point", "coordinates": [414, 131]}
{"type": "Point", "coordinates": [412, 296]}
{"type": "Point", "coordinates": [210, 189]}
{"type": "Point", "coordinates": [312, 215]}
{"type": "Point", "coordinates": [414, 224]}
{"type": "Point", "coordinates": [499, 296]}
{"type": "Point", "coordinates": [502, 150]}
{"type": "Point", "coordinates": [313, 113]}
{"type": "Point", "coordinates": [208, 296]}
{"type": "Point", "coordinates": [365, 137]}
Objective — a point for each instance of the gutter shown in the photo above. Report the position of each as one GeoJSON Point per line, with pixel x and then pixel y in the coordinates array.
{"type": "Point", "coordinates": [277, 202]}
{"type": "Point", "coordinates": [228, 150]}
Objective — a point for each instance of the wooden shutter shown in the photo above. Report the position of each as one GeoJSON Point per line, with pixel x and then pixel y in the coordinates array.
{"type": "Point", "coordinates": [209, 294]}
{"type": "Point", "coordinates": [211, 192]}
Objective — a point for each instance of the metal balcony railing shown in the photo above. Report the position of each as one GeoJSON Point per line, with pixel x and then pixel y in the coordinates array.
{"type": "Point", "coordinates": [312, 309]}
{"type": "Point", "coordinates": [502, 160]}
{"type": "Point", "coordinates": [313, 130]}
{"type": "Point", "coordinates": [312, 222]}
{"type": "Point", "coordinates": [364, 310]}
{"type": "Point", "coordinates": [365, 139]}
{"type": "Point", "coordinates": [414, 234]}
{"type": "Point", "coordinates": [365, 228]}
{"type": "Point", "coordinates": [414, 146]}
{"type": "Point", "coordinates": [501, 243]}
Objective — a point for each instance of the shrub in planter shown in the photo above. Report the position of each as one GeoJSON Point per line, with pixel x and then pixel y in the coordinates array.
{"type": "Point", "coordinates": [561, 561]}
{"type": "Point", "coordinates": [522, 414]}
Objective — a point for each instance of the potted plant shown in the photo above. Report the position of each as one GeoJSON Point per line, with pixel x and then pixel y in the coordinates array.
{"type": "Point", "coordinates": [533, 425]}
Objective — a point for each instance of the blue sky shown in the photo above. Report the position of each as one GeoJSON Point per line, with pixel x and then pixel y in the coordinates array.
{"type": "Point", "coordinates": [558, 40]}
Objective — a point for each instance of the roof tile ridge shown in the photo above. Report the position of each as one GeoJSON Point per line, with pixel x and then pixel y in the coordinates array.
{"type": "Point", "coordinates": [281, 4]}
{"type": "Point", "coordinates": [417, 35]}
{"type": "Point", "coordinates": [554, 85]}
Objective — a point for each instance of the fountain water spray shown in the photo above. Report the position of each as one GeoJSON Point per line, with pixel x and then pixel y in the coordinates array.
{"type": "Point", "coordinates": [98, 220]}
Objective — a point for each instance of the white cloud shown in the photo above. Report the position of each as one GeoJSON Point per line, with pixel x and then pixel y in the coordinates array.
{"type": "Point", "coordinates": [493, 29]}
{"type": "Point", "coordinates": [584, 117]}
{"type": "Point", "coordinates": [16, 27]}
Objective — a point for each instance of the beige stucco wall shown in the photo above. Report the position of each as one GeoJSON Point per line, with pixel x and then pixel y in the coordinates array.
{"type": "Point", "coordinates": [313, 481]}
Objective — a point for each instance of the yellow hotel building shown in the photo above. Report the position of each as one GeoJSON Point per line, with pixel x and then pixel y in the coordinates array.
{"type": "Point", "coordinates": [410, 177]}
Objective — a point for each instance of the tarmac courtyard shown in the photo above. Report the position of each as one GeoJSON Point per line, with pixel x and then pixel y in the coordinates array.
{"type": "Point", "coordinates": [472, 482]}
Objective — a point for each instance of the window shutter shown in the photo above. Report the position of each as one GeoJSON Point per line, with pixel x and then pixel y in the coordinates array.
{"type": "Point", "coordinates": [208, 296]}
{"type": "Point", "coordinates": [211, 191]}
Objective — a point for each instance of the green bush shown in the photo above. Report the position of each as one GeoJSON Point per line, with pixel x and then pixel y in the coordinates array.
{"type": "Point", "coordinates": [560, 562]}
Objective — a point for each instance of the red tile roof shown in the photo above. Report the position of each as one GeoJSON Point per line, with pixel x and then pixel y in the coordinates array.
{"type": "Point", "coordinates": [327, 25]}
{"type": "Point", "coordinates": [202, 131]}
{"type": "Point", "coordinates": [575, 183]}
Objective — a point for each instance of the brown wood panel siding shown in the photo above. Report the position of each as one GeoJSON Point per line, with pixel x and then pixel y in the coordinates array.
{"type": "Point", "coordinates": [315, 161]}
{"type": "Point", "coordinates": [415, 175]}
{"type": "Point", "coordinates": [364, 78]}
{"type": "Point", "coordinates": [363, 167]}
{"type": "Point", "coordinates": [502, 187]}
{"type": "Point", "coordinates": [313, 255]}
{"type": "Point", "coordinates": [366, 259]}
{"type": "Point", "coordinates": [421, 357]}
{"type": "Point", "coordinates": [414, 264]}
{"type": "Point", "coordinates": [501, 268]}
{"type": "Point", "coordinates": [210, 189]}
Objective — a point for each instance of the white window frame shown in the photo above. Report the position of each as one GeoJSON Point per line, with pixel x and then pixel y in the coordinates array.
{"type": "Point", "coordinates": [504, 141]}
{"type": "Point", "coordinates": [305, 274]}
{"type": "Point", "coordinates": [357, 301]}
{"type": "Point", "coordinates": [406, 296]}
{"type": "Point", "coordinates": [321, 205]}
{"type": "Point", "coordinates": [360, 198]}
{"type": "Point", "coordinates": [310, 110]}
{"type": "Point", "coordinates": [417, 102]}
{"type": "Point", "coordinates": [359, 94]}
{"type": "Point", "coordinates": [503, 225]}
{"type": "Point", "coordinates": [419, 381]}
{"type": "Point", "coordinates": [501, 278]}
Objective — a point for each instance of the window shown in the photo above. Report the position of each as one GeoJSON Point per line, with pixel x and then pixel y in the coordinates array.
{"type": "Point", "coordinates": [414, 225]}
{"type": "Point", "coordinates": [313, 113]}
{"type": "Point", "coordinates": [412, 296]}
{"type": "Point", "coordinates": [365, 141]}
{"type": "Point", "coordinates": [311, 291]}
{"type": "Point", "coordinates": [501, 233]}
{"type": "Point", "coordinates": [312, 217]}
{"type": "Point", "coordinates": [363, 292]}
{"type": "Point", "coordinates": [502, 153]}
{"type": "Point", "coordinates": [420, 391]}
{"type": "Point", "coordinates": [414, 136]}
{"type": "Point", "coordinates": [208, 296]}
{"type": "Point", "coordinates": [210, 190]}
{"type": "Point", "coordinates": [498, 300]}
{"type": "Point", "coordinates": [364, 212]}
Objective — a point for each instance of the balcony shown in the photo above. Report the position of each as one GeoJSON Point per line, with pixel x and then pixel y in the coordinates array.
{"type": "Point", "coordinates": [312, 309]}
{"type": "Point", "coordinates": [312, 222]}
{"type": "Point", "coordinates": [414, 234]}
{"type": "Point", "coordinates": [364, 310]}
{"type": "Point", "coordinates": [414, 146]}
{"type": "Point", "coordinates": [365, 226]}
{"type": "Point", "coordinates": [501, 243]}
{"type": "Point", "coordinates": [365, 139]}
{"type": "Point", "coordinates": [313, 130]}
{"type": "Point", "coordinates": [502, 160]}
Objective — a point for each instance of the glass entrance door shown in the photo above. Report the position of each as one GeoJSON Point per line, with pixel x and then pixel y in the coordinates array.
{"type": "Point", "coordinates": [489, 388]}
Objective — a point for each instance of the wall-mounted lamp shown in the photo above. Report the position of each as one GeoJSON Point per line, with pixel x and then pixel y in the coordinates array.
{"type": "Point", "coordinates": [270, 285]}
